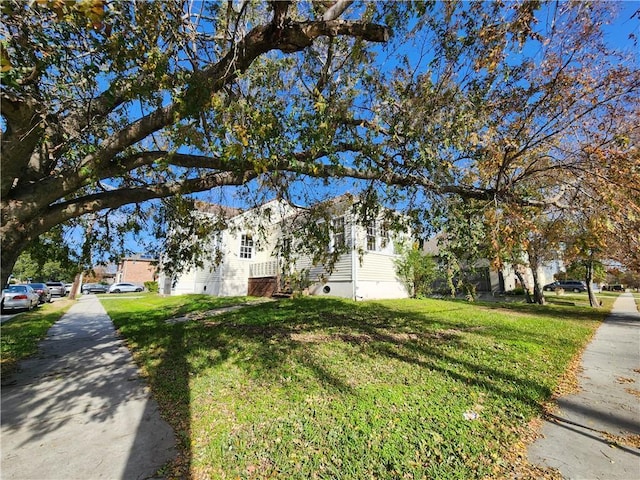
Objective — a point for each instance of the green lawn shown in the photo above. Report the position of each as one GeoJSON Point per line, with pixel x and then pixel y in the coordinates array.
{"type": "Point", "coordinates": [328, 388]}
{"type": "Point", "coordinates": [19, 336]}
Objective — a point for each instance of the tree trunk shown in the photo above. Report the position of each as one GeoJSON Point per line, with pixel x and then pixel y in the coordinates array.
{"type": "Point", "coordinates": [12, 246]}
{"type": "Point", "coordinates": [538, 293]}
{"type": "Point", "coordinates": [452, 287]}
{"type": "Point", "coordinates": [593, 301]}
{"type": "Point", "coordinates": [8, 262]}
{"type": "Point", "coordinates": [524, 285]}
{"type": "Point", "coordinates": [77, 283]}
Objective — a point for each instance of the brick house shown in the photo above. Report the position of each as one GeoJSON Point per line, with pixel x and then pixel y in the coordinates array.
{"type": "Point", "coordinates": [137, 269]}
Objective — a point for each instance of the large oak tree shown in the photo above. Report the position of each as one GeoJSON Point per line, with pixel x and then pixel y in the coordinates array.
{"type": "Point", "coordinates": [108, 104]}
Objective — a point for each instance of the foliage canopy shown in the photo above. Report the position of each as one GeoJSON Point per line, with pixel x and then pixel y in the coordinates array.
{"type": "Point", "coordinates": [108, 106]}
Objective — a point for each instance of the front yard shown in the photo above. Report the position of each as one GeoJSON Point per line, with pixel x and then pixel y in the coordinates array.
{"type": "Point", "coordinates": [328, 388]}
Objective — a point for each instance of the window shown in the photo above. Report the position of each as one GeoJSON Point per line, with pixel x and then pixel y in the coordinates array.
{"type": "Point", "coordinates": [384, 236]}
{"type": "Point", "coordinates": [377, 236]}
{"type": "Point", "coordinates": [246, 246]}
{"type": "Point", "coordinates": [286, 247]}
{"type": "Point", "coordinates": [371, 236]}
{"type": "Point", "coordinates": [339, 240]}
{"type": "Point", "coordinates": [216, 243]}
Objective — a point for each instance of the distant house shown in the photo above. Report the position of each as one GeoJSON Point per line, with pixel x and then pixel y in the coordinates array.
{"type": "Point", "coordinates": [251, 262]}
{"type": "Point", "coordinates": [487, 279]}
{"type": "Point", "coordinates": [137, 269]}
{"type": "Point", "coordinates": [101, 274]}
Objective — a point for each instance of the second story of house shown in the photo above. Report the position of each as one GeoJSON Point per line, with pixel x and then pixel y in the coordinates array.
{"type": "Point", "coordinates": [137, 269]}
{"type": "Point", "coordinates": [326, 238]}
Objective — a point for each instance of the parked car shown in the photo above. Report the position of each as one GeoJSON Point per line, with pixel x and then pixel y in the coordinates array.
{"type": "Point", "coordinates": [569, 285]}
{"type": "Point", "coordinates": [124, 287]}
{"type": "Point", "coordinates": [16, 297]}
{"type": "Point", "coordinates": [57, 288]}
{"type": "Point", "coordinates": [94, 288]}
{"type": "Point", "coordinates": [43, 291]}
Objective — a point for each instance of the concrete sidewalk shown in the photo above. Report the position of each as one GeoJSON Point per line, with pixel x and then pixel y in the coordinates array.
{"type": "Point", "coordinates": [78, 409]}
{"type": "Point", "coordinates": [575, 438]}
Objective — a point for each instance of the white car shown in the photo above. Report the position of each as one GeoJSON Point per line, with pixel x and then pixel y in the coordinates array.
{"type": "Point", "coordinates": [124, 287]}
{"type": "Point", "coordinates": [16, 297]}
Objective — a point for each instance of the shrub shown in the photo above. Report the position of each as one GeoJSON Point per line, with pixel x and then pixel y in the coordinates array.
{"type": "Point", "coordinates": [417, 271]}
{"type": "Point", "coordinates": [152, 287]}
{"type": "Point", "coordinates": [516, 291]}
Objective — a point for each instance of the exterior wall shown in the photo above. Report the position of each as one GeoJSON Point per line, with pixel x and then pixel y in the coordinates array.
{"type": "Point", "coordinates": [338, 283]}
{"type": "Point", "coordinates": [332, 289]}
{"type": "Point", "coordinates": [377, 278]}
{"type": "Point", "coordinates": [342, 271]}
{"type": "Point", "coordinates": [231, 277]}
{"type": "Point", "coordinates": [367, 276]}
{"type": "Point", "coordinates": [183, 284]}
{"type": "Point", "coordinates": [370, 275]}
{"type": "Point", "coordinates": [380, 290]}
{"type": "Point", "coordinates": [509, 277]}
{"type": "Point", "coordinates": [376, 269]}
{"type": "Point", "coordinates": [545, 275]}
{"type": "Point", "coordinates": [547, 271]}
{"type": "Point", "coordinates": [135, 270]}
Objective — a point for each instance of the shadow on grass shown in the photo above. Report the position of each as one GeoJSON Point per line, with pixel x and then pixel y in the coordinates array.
{"type": "Point", "coordinates": [559, 309]}
{"type": "Point", "coordinates": [261, 339]}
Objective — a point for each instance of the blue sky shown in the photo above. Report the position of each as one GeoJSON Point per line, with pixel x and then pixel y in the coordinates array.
{"type": "Point", "coordinates": [623, 33]}
{"type": "Point", "coordinates": [619, 32]}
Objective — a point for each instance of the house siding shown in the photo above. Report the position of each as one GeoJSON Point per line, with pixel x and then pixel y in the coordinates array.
{"type": "Point", "coordinates": [377, 267]}
{"type": "Point", "coordinates": [185, 283]}
{"type": "Point", "coordinates": [341, 270]}
{"type": "Point", "coordinates": [377, 278]}
{"type": "Point", "coordinates": [338, 283]}
{"type": "Point", "coordinates": [373, 278]}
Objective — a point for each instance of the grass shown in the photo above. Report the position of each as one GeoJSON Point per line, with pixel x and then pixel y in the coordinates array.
{"type": "Point", "coordinates": [19, 336]}
{"type": "Point", "coordinates": [329, 388]}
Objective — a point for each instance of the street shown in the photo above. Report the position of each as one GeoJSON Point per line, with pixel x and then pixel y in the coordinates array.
{"type": "Point", "coordinates": [8, 316]}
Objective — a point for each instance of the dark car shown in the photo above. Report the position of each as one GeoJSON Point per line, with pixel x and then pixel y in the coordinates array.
{"type": "Point", "coordinates": [94, 288]}
{"type": "Point", "coordinates": [57, 288]}
{"type": "Point", "coordinates": [43, 291]}
{"type": "Point", "coordinates": [613, 288]}
{"type": "Point", "coordinates": [569, 285]}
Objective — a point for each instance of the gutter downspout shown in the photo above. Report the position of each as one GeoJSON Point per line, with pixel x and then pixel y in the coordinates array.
{"type": "Point", "coordinates": [354, 265]}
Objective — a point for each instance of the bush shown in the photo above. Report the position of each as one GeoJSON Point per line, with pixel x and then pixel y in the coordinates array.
{"type": "Point", "coordinates": [417, 271]}
{"type": "Point", "coordinates": [516, 291]}
{"type": "Point", "coordinates": [152, 287]}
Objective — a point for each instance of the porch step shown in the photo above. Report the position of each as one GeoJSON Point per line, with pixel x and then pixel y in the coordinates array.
{"type": "Point", "coordinates": [281, 295]}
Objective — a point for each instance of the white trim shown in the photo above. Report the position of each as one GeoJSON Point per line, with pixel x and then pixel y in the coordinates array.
{"type": "Point", "coordinates": [246, 248]}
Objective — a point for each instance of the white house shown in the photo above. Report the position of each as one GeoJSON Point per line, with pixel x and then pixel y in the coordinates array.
{"type": "Point", "coordinates": [251, 260]}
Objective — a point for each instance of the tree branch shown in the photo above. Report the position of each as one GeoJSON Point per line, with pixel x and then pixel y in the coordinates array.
{"type": "Point", "coordinates": [336, 10]}
{"type": "Point", "coordinates": [292, 37]}
{"type": "Point", "coordinates": [24, 127]}
{"type": "Point", "coordinates": [95, 202]}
